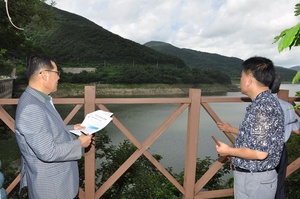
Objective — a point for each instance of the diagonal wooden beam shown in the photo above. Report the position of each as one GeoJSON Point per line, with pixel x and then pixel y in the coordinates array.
{"type": "Point", "coordinates": [293, 167]}
{"type": "Point", "coordinates": [147, 143]}
{"type": "Point", "coordinates": [215, 167]}
{"type": "Point", "coordinates": [7, 119]}
{"type": "Point", "coordinates": [72, 113]}
{"type": "Point", "coordinates": [13, 184]}
{"type": "Point", "coordinates": [216, 118]}
{"type": "Point", "coordinates": [146, 153]}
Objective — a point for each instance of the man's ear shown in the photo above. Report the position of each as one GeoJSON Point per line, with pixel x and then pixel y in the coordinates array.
{"type": "Point", "coordinates": [45, 76]}
{"type": "Point", "coordinates": [249, 81]}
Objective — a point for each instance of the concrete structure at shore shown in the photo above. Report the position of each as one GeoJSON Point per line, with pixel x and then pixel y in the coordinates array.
{"type": "Point", "coordinates": [78, 70]}
{"type": "Point", "coordinates": [6, 87]}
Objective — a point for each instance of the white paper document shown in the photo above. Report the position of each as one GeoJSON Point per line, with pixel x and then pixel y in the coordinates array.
{"type": "Point", "coordinates": [94, 122]}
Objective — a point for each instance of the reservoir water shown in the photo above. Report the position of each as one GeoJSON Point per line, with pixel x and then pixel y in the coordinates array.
{"type": "Point", "coordinates": [141, 120]}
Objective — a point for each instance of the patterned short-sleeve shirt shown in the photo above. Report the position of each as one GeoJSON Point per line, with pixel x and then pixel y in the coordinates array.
{"type": "Point", "coordinates": [262, 129]}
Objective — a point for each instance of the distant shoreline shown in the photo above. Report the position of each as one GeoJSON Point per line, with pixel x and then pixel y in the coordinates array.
{"type": "Point", "coordinates": [117, 90]}
{"type": "Point", "coordinates": [143, 90]}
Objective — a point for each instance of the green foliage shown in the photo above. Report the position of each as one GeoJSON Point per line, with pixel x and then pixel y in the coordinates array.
{"type": "Point", "coordinates": [216, 182]}
{"type": "Point", "coordinates": [21, 12]}
{"type": "Point", "coordinates": [296, 78]}
{"type": "Point", "coordinates": [5, 132]}
{"type": "Point", "coordinates": [142, 179]}
{"type": "Point", "coordinates": [292, 181]}
{"type": "Point", "coordinates": [10, 172]}
{"type": "Point", "coordinates": [15, 46]}
{"type": "Point", "coordinates": [151, 184]}
{"type": "Point", "coordinates": [289, 37]}
{"type": "Point", "coordinates": [297, 9]}
{"type": "Point", "coordinates": [147, 74]}
{"type": "Point", "coordinates": [9, 155]}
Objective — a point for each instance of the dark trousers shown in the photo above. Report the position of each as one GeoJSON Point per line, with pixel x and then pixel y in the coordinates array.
{"type": "Point", "coordinates": [281, 170]}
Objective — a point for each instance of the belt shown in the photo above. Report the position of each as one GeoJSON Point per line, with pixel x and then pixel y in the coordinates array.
{"type": "Point", "coordinates": [248, 171]}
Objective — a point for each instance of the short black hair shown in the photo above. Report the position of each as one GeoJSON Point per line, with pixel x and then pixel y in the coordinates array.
{"type": "Point", "coordinates": [38, 62]}
{"type": "Point", "coordinates": [262, 69]}
{"type": "Point", "coordinates": [274, 87]}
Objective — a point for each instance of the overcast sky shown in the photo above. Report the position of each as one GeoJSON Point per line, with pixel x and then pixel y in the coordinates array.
{"type": "Point", "coordinates": [237, 28]}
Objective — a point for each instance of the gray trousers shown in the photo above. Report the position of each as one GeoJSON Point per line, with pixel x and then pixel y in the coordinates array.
{"type": "Point", "coordinates": [260, 185]}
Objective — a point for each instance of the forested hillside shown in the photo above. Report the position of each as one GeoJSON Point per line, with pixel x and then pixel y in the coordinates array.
{"type": "Point", "coordinates": [77, 42]}
{"type": "Point", "coordinates": [197, 59]}
{"type": "Point", "coordinates": [295, 68]}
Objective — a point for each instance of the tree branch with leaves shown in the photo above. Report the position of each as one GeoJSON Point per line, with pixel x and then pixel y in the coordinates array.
{"type": "Point", "coordinates": [289, 38]}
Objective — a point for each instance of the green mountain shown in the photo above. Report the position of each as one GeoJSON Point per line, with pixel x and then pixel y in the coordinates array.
{"type": "Point", "coordinates": [78, 42]}
{"type": "Point", "coordinates": [197, 59]}
{"type": "Point", "coordinates": [75, 40]}
{"type": "Point", "coordinates": [295, 68]}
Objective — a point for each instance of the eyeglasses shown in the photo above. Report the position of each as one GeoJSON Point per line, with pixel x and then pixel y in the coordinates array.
{"type": "Point", "coordinates": [57, 72]}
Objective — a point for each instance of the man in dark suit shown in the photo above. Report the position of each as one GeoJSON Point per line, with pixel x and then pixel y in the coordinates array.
{"type": "Point", "coordinates": [49, 151]}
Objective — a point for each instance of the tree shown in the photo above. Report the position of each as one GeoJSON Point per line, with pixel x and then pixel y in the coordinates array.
{"type": "Point", "coordinates": [292, 182]}
{"type": "Point", "coordinates": [14, 44]}
{"type": "Point", "coordinates": [289, 38]}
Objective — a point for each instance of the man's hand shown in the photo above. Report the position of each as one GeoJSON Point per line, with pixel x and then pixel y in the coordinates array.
{"type": "Point", "coordinates": [86, 140]}
{"type": "Point", "coordinates": [227, 128]}
{"type": "Point", "coordinates": [78, 127]}
{"type": "Point", "coordinates": [223, 149]}
{"type": "Point", "coordinates": [243, 152]}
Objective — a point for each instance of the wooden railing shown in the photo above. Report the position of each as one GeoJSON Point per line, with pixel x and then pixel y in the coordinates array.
{"type": "Point", "coordinates": [190, 189]}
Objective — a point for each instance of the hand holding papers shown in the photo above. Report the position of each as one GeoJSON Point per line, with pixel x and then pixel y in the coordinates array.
{"type": "Point", "coordinates": [94, 122]}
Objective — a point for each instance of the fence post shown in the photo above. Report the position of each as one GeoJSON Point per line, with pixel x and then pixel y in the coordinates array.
{"type": "Point", "coordinates": [89, 158]}
{"type": "Point", "coordinates": [192, 143]}
{"type": "Point", "coordinates": [284, 95]}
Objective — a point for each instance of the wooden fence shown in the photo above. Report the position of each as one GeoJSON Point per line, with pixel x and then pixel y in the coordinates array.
{"type": "Point", "coordinates": [191, 188]}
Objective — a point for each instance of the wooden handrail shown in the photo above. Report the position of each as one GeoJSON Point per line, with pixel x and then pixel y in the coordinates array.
{"type": "Point", "coordinates": [190, 188]}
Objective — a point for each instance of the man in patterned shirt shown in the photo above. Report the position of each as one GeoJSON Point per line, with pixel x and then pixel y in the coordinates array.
{"type": "Point", "coordinates": [260, 138]}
